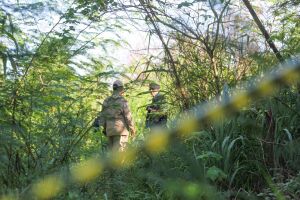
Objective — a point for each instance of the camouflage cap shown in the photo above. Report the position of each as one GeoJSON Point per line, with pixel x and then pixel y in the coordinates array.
{"type": "Point", "coordinates": [154, 86]}
{"type": "Point", "coordinates": [118, 84]}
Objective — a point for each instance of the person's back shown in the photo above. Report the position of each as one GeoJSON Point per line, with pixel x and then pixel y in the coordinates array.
{"type": "Point", "coordinates": [116, 119]}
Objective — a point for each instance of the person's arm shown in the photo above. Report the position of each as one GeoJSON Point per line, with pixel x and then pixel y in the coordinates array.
{"type": "Point", "coordinates": [163, 105]}
{"type": "Point", "coordinates": [128, 118]}
{"type": "Point", "coordinates": [100, 119]}
{"type": "Point", "coordinates": [96, 122]}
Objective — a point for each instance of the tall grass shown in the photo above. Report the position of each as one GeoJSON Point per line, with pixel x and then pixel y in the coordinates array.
{"type": "Point", "coordinates": [224, 161]}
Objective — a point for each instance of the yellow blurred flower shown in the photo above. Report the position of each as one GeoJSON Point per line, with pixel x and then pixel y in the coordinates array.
{"type": "Point", "coordinates": [123, 158]}
{"type": "Point", "coordinates": [157, 141]}
{"type": "Point", "coordinates": [48, 187]}
{"type": "Point", "coordinates": [187, 126]}
{"type": "Point", "coordinates": [86, 171]}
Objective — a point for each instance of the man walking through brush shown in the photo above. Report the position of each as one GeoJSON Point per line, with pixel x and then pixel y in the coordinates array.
{"type": "Point", "coordinates": [156, 111]}
{"type": "Point", "coordinates": [116, 119]}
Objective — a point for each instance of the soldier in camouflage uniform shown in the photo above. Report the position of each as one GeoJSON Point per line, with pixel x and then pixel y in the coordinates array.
{"type": "Point", "coordinates": [156, 111]}
{"type": "Point", "coordinates": [115, 118]}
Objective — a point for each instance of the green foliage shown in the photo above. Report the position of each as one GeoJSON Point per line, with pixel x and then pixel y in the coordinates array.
{"type": "Point", "coordinates": [47, 108]}
{"type": "Point", "coordinates": [289, 32]}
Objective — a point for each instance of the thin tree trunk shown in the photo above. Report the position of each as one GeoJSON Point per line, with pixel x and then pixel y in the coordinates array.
{"type": "Point", "coordinates": [263, 30]}
{"type": "Point", "coordinates": [178, 84]}
{"type": "Point", "coordinates": [4, 61]}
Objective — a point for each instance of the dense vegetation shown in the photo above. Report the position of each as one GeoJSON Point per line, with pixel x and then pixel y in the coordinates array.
{"type": "Point", "coordinates": [52, 84]}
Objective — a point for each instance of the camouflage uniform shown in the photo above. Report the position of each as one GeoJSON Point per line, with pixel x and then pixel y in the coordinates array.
{"type": "Point", "coordinates": [116, 120]}
{"type": "Point", "coordinates": [156, 111]}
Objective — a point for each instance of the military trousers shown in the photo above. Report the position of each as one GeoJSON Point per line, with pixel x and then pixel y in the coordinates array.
{"type": "Point", "coordinates": [118, 142]}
